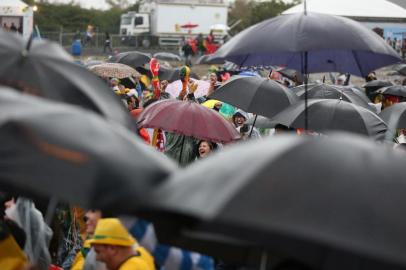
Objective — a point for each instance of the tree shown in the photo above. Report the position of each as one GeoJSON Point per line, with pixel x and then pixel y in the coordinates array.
{"type": "Point", "coordinates": [252, 12]}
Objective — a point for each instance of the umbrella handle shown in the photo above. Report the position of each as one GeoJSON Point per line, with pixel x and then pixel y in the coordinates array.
{"type": "Point", "coordinates": [264, 260]}
{"type": "Point", "coordinates": [253, 125]}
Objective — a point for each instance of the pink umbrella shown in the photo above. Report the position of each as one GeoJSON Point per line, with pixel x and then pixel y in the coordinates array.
{"type": "Point", "coordinates": [175, 87]}
{"type": "Point", "coordinates": [189, 119]}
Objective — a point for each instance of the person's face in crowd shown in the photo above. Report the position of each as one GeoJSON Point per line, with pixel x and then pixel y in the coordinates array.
{"type": "Point", "coordinates": [213, 78]}
{"type": "Point", "coordinates": [104, 253]}
{"type": "Point", "coordinates": [9, 203]}
{"type": "Point", "coordinates": [204, 149]}
{"type": "Point", "coordinates": [131, 103]}
{"type": "Point", "coordinates": [164, 84]}
{"type": "Point", "coordinates": [91, 218]}
{"type": "Point", "coordinates": [217, 106]}
{"type": "Point", "coordinates": [114, 83]}
{"type": "Point", "coordinates": [239, 121]}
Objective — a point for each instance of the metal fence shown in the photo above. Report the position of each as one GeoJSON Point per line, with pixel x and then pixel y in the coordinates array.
{"type": "Point", "coordinates": [98, 40]}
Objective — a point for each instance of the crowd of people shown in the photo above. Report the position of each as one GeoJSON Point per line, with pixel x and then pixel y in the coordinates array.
{"type": "Point", "coordinates": [12, 27]}
{"type": "Point", "coordinates": [90, 239]}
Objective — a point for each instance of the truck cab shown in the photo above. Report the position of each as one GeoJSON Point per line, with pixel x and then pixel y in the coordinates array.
{"type": "Point", "coordinates": [133, 23]}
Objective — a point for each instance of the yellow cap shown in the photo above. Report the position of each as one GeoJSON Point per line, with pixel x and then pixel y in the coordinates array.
{"type": "Point", "coordinates": [110, 231]}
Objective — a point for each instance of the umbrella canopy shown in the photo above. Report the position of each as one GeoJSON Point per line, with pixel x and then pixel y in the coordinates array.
{"type": "Point", "coordinates": [133, 59]}
{"type": "Point", "coordinates": [401, 69]}
{"type": "Point", "coordinates": [91, 63]}
{"type": "Point", "coordinates": [56, 150]}
{"type": "Point", "coordinates": [189, 119]}
{"type": "Point", "coordinates": [372, 86]}
{"type": "Point", "coordinates": [256, 95]}
{"type": "Point", "coordinates": [175, 87]}
{"type": "Point", "coordinates": [332, 43]}
{"type": "Point", "coordinates": [324, 213]}
{"type": "Point", "coordinates": [326, 91]}
{"type": "Point", "coordinates": [395, 90]}
{"type": "Point", "coordinates": [395, 116]}
{"type": "Point", "coordinates": [115, 70]}
{"type": "Point", "coordinates": [165, 73]}
{"type": "Point", "coordinates": [47, 70]}
{"type": "Point", "coordinates": [209, 59]}
{"type": "Point", "coordinates": [330, 114]}
{"type": "Point", "coordinates": [167, 56]}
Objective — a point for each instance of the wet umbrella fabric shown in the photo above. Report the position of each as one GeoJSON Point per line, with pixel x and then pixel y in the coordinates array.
{"type": "Point", "coordinates": [333, 92]}
{"type": "Point", "coordinates": [395, 90]}
{"type": "Point", "coordinates": [332, 43]}
{"type": "Point", "coordinates": [256, 95]}
{"type": "Point", "coordinates": [55, 150]}
{"type": "Point", "coordinates": [324, 213]}
{"type": "Point", "coordinates": [372, 86]}
{"type": "Point", "coordinates": [326, 115]}
{"type": "Point", "coordinates": [395, 116]}
{"type": "Point", "coordinates": [174, 88]}
{"type": "Point", "coordinates": [46, 70]}
{"type": "Point", "coordinates": [116, 70]}
{"type": "Point", "coordinates": [169, 74]}
{"type": "Point", "coordinates": [133, 59]}
{"type": "Point", "coordinates": [189, 119]}
{"type": "Point", "coordinates": [167, 56]}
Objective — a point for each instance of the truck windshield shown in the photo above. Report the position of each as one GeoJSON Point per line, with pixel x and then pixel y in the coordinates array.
{"type": "Point", "coordinates": [125, 20]}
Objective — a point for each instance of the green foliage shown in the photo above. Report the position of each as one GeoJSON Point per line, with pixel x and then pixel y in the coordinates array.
{"type": "Point", "coordinates": [252, 12]}
{"type": "Point", "coordinates": [71, 17]}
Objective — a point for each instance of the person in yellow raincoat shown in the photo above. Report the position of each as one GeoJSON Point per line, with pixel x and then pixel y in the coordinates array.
{"type": "Point", "coordinates": [91, 219]}
{"type": "Point", "coordinates": [11, 255]}
{"type": "Point", "coordinates": [115, 246]}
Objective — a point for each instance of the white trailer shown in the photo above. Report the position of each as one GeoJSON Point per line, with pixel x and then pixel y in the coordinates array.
{"type": "Point", "coordinates": [164, 19]}
{"type": "Point", "coordinates": [16, 14]}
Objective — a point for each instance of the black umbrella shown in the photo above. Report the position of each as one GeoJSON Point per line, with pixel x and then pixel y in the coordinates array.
{"type": "Point", "coordinates": [372, 86]}
{"type": "Point", "coordinates": [330, 114]}
{"type": "Point", "coordinates": [321, 90]}
{"type": "Point", "coordinates": [255, 95]}
{"type": "Point", "coordinates": [401, 69]}
{"type": "Point", "coordinates": [290, 74]}
{"type": "Point", "coordinates": [51, 149]}
{"type": "Point", "coordinates": [395, 116]}
{"type": "Point", "coordinates": [323, 42]}
{"type": "Point", "coordinates": [169, 74]}
{"type": "Point", "coordinates": [133, 59]}
{"type": "Point", "coordinates": [311, 43]}
{"type": "Point", "coordinates": [45, 69]}
{"type": "Point", "coordinates": [331, 202]}
{"type": "Point", "coordinates": [207, 59]}
{"type": "Point", "coordinates": [395, 90]}
{"type": "Point", "coordinates": [167, 56]}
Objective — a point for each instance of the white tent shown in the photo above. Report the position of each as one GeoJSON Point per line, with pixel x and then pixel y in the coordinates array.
{"type": "Point", "coordinates": [353, 8]}
{"type": "Point", "coordinates": [13, 8]}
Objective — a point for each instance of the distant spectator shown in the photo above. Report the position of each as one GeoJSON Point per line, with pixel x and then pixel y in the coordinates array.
{"type": "Point", "coordinates": [13, 28]}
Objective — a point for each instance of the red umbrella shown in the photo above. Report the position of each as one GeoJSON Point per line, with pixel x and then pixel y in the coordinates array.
{"type": "Point", "coordinates": [189, 25]}
{"type": "Point", "coordinates": [189, 119]}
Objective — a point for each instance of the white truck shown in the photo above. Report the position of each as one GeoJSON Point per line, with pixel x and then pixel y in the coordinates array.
{"type": "Point", "coordinates": [16, 16]}
{"type": "Point", "coordinates": [167, 21]}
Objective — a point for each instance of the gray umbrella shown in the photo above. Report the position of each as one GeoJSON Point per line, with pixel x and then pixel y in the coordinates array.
{"type": "Point", "coordinates": [395, 116]}
{"type": "Point", "coordinates": [55, 150]}
{"type": "Point", "coordinates": [330, 114]}
{"type": "Point", "coordinates": [321, 90]}
{"type": "Point", "coordinates": [255, 95]}
{"type": "Point", "coordinates": [395, 90]}
{"type": "Point", "coordinates": [330, 43]}
{"type": "Point", "coordinates": [45, 69]}
{"type": "Point", "coordinates": [167, 56]}
{"type": "Point", "coordinates": [133, 59]}
{"type": "Point", "coordinates": [331, 202]}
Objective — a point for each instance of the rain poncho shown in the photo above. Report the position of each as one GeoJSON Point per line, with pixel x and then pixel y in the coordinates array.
{"type": "Point", "coordinates": [37, 231]}
{"type": "Point", "coordinates": [180, 148]}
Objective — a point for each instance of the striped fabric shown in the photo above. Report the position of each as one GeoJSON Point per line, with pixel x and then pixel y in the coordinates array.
{"type": "Point", "coordinates": [166, 257]}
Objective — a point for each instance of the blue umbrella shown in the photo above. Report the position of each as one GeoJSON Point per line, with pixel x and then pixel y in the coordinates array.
{"type": "Point", "coordinates": [311, 43]}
